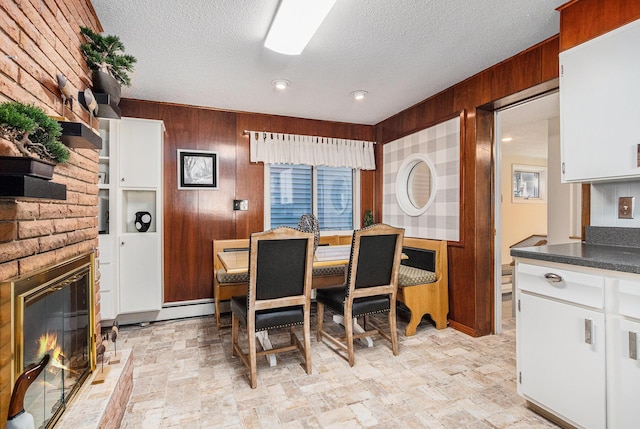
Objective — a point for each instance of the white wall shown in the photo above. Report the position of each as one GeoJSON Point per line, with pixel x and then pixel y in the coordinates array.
{"type": "Point", "coordinates": [564, 199]}
{"type": "Point", "coordinates": [604, 203]}
{"type": "Point", "coordinates": [519, 220]}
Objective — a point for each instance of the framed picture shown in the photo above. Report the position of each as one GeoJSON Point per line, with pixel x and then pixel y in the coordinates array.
{"type": "Point", "coordinates": [197, 169]}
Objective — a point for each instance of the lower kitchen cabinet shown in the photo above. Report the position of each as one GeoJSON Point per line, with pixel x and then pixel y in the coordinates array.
{"type": "Point", "coordinates": [561, 343]}
{"type": "Point", "coordinates": [624, 373]}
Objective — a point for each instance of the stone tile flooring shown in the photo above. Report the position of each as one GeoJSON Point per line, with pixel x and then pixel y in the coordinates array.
{"type": "Point", "coordinates": [185, 377]}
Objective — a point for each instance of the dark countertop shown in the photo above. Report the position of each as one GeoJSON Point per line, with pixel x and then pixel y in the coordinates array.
{"type": "Point", "coordinates": [607, 257]}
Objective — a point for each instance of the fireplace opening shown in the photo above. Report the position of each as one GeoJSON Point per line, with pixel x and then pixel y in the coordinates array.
{"type": "Point", "coordinates": [54, 315]}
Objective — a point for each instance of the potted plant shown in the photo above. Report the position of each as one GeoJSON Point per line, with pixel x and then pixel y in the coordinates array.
{"type": "Point", "coordinates": [105, 57]}
{"type": "Point", "coordinates": [368, 218]}
{"type": "Point", "coordinates": [32, 132]}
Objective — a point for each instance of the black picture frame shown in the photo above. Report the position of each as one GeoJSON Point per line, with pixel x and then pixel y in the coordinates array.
{"type": "Point", "coordinates": [197, 169]}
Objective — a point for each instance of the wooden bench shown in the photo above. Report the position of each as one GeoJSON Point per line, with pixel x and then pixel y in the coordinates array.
{"type": "Point", "coordinates": [226, 285]}
{"type": "Point", "coordinates": [423, 282]}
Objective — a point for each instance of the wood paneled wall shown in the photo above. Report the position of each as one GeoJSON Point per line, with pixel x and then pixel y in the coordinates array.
{"type": "Point", "coordinates": [192, 219]}
{"type": "Point", "coordinates": [582, 20]}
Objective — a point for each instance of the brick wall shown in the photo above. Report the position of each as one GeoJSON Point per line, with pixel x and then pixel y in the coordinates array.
{"type": "Point", "coordinates": [40, 38]}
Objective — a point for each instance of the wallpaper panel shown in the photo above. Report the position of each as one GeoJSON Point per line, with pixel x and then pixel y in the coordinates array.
{"type": "Point", "coordinates": [441, 145]}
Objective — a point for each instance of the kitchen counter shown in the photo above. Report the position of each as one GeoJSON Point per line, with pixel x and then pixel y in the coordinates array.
{"type": "Point", "coordinates": [608, 248]}
{"type": "Point", "coordinates": [615, 258]}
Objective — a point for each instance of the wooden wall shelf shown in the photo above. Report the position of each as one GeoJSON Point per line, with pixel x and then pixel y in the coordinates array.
{"type": "Point", "coordinates": [78, 135]}
{"type": "Point", "coordinates": [31, 187]}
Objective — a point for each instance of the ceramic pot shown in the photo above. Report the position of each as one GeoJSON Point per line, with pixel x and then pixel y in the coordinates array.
{"type": "Point", "coordinates": [105, 83]}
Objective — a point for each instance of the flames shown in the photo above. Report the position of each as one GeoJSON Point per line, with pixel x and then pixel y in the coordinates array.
{"type": "Point", "coordinates": [48, 343]}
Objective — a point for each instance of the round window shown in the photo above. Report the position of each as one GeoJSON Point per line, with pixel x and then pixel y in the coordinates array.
{"type": "Point", "coordinates": [416, 184]}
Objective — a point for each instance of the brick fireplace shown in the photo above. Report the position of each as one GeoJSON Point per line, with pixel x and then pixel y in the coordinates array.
{"type": "Point", "coordinates": [41, 40]}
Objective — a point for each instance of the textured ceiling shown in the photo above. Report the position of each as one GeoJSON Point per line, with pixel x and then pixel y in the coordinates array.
{"type": "Point", "coordinates": [210, 52]}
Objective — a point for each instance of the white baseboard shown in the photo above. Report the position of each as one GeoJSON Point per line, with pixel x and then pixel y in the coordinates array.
{"type": "Point", "coordinates": [170, 311]}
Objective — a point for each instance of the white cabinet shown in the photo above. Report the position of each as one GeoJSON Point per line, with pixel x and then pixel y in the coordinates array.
{"type": "Point", "coordinates": [577, 348]}
{"type": "Point", "coordinates": [140, 145]}
{"type": "Point", "coordinates": [561, 343]}
{"type": "Point", "coordinates": [132, 266]}
{"type": "Point", "coordinates": [599, 126]}
{"type": "Point", "coordinates": [623, 351]}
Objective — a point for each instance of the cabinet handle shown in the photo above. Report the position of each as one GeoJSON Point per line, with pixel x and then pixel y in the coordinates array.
{"type": "Point", "coordinates": [553, 278]}
{"type": "Point", "coordinates": [588, 331]}
{"type": "Point", "coordinates": [122, 243]}
{"type": "Point", "coordinates": [633, 345]}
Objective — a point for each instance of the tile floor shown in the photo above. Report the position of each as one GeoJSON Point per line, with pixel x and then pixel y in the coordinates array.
{"type": "Point", "coordinates": [185, 377]}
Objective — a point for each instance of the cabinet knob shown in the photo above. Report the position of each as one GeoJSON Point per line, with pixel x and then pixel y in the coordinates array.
{"type": "Point", "coordinates": [553, 278]}
{"type": "Point", "coordinates": [121, 243]}
{"type": "Point", "coordinates": [122, 180]}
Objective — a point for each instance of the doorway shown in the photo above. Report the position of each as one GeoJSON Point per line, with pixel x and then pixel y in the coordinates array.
{"type": "Point", "coordinates": [532, 207]}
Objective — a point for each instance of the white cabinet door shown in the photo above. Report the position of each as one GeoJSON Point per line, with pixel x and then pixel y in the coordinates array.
{"type": "Point", "coordinates": [624, 373]}
{"type": "Point", "coordinates": [599, 108]}
{"type": "Point", "coordinates": [140, 153]}
{"type": "Point", "coordinates": [559, 370]}
{"type": "Point", "coordinates": [140, 273]}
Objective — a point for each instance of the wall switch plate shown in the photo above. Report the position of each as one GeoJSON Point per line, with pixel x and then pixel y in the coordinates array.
{"type": "Point", "coordinates": [241, 205]}
{"type": "Point", "coordinates": [625, 207]}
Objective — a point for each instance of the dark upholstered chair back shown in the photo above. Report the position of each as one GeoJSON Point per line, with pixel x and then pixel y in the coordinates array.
{"type": "Point", "coordinates": [375, 260]}
{"type": "Point", "coordinates": [280, 268]}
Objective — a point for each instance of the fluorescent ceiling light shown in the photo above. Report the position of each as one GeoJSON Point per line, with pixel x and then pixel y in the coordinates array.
{"type": "Point", "coordinates": [295, 23]}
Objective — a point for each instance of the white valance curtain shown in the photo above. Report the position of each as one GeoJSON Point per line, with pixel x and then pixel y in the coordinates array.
{"type": "Point", "coordinates": [278, 148]}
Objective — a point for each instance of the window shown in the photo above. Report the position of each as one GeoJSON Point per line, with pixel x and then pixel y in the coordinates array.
{"type": "Point", "coordinates": [529, 183]}
{"type": "Point", "coordinates": [294, 190]}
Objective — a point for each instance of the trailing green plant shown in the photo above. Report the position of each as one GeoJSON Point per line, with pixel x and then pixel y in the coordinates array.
{"type": "Point", "coordinates": [368, 218]}
{"type": "Point", "coordinates": [106, 54]}
{"type": "Point", "coordinates": [32, 131]}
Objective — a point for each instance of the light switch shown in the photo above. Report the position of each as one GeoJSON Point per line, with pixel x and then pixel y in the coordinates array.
{"type": "Point", "coordinates": [241, 205]}
{"type": "Point", "coordinates": [625, 208]}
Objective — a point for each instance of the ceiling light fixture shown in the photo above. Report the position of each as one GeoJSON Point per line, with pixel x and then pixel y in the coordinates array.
{"type": "Point", "coordinates": [507, 139]}
{"type": "Point", "coordinates": [295, 23]}
{"type": "Point", "coordinates": [280, 84]}
{"type": "Point", "coordinates": [359, 95]}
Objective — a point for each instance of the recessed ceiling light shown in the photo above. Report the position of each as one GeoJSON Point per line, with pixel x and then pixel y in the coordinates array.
{"type": "Point", "coordinates": [507, 139]}
{"type": "Point", "coordinates": [280, 84]}
{"type": "Point", "coordinates": [359, 95]}
{"type": "Point", "coordinates": [295, 23]}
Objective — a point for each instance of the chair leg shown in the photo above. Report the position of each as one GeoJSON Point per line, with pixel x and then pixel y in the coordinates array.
{"type": "Point", "coordinates": [234, 334]}
{"type": "Point", "coordinates": [253, 372]}
{"type": "Point", "coordinates": [348, 328]}
{"type": "Point", "coordinates": [217, 310]}
{"type": "Point", "coordinates": [393, 330]}
{"type": "Point", "coordinates": [306, 333]}
{"type": "Point", "coordinates": [320, 320]}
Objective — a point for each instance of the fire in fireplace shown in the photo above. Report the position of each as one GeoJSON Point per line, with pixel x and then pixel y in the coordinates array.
{"type": "Point", "coordinates": [53, 314]}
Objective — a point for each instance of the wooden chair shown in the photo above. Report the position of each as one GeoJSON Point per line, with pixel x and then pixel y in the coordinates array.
{"type": "Point", "coordinates": [372, 283]}
{"type": "Point", "coordinates": [280, 266]}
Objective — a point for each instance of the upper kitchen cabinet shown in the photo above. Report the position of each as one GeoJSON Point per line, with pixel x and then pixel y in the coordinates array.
{"type": "Point", "coordinates": [599, 108]}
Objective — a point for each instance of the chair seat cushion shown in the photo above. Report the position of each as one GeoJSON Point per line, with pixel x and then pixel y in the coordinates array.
{"type": "Point", "coordinates": [411, 276]}
{"type": "Point", "coordinates": [224, 277]}
{"type": "Point", "coordinates": [267, 319]}
{"type": "Point", "coordinates": [334, 270]}
{"type": "Point", "coordinates": [334, 299]}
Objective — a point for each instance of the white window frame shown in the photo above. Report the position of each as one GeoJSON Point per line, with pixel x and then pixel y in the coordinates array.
{"type": "Point", "coordinates": [542, 183]}
{"type": "Point", "coordinates": [314, 199]}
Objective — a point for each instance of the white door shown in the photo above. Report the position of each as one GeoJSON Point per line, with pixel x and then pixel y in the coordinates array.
{"type": "Point", "coordinates": [559, 370]}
